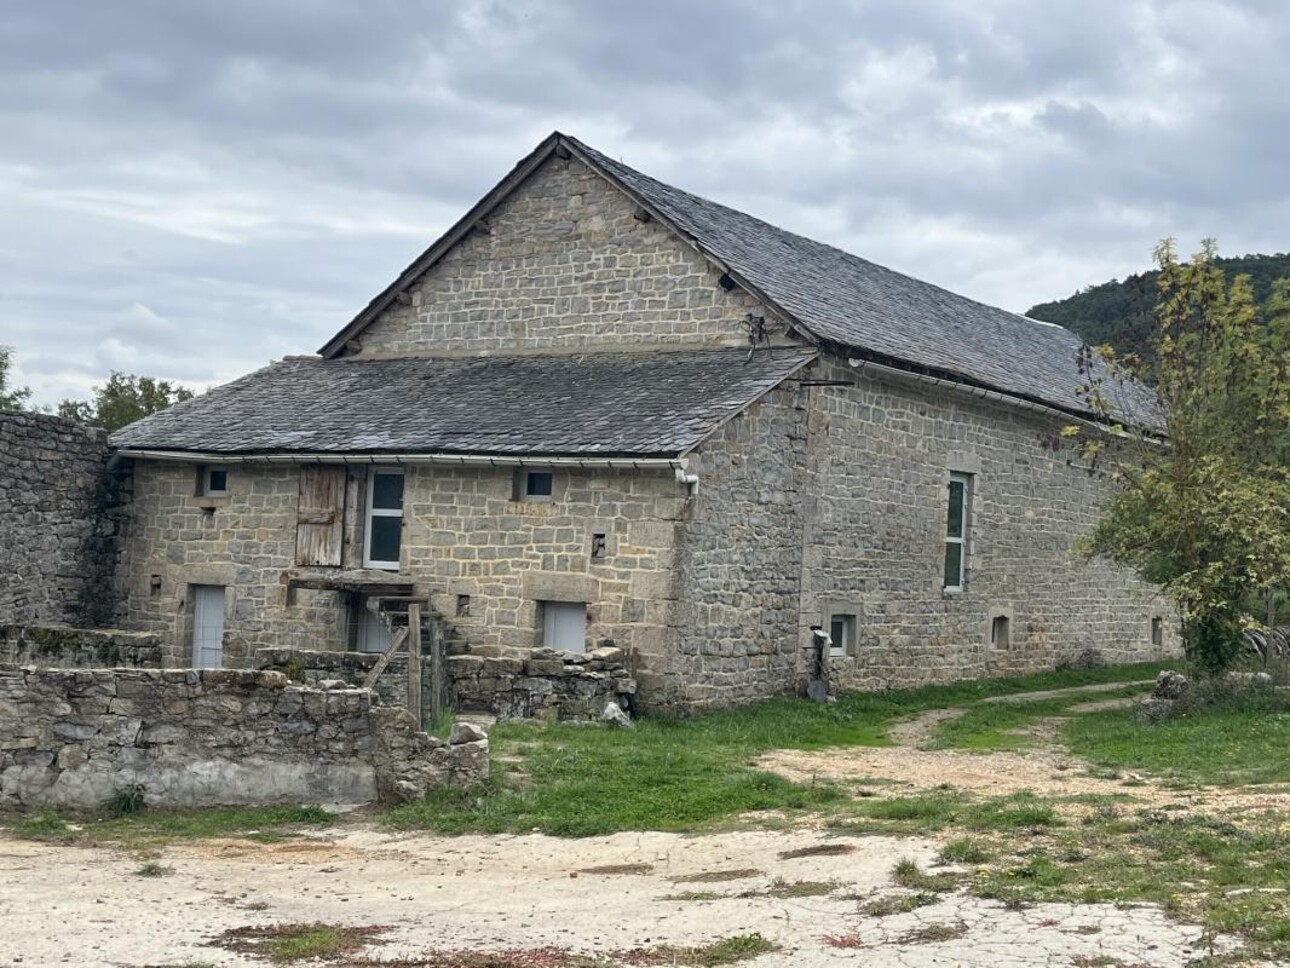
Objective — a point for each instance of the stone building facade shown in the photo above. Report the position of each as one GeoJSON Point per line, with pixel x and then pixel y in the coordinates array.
{"type": "Point", "coordinates": [743, 441]}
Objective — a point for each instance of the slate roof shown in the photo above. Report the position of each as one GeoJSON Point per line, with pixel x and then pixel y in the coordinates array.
{"type": "Point", "coordinates": [597, 406]}
{"type": "Point", "coordinates": [850, 301]}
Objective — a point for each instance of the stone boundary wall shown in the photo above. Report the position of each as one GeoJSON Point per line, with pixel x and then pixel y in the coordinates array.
{"type": "Point", "coordinates": [62, 647]}
{"type": "Point", "coordinates": [75, 738]}
{"type": "Point", "coordinates": [313, 668]}
{"type": "Point", "coordinates": [60, 516]}
{"type": "Point", "coordinates": [546, 684]}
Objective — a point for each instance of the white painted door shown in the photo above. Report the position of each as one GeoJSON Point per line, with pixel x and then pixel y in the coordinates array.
{"type": "Point", "coordinates": [373, 634]}
{"type": "Point", "coordinates": [208, 626]}
{"type": "Point", "coordinates": [565, 626]}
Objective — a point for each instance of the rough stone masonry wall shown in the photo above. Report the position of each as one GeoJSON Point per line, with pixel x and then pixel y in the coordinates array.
{"type": "Point", "coordinates": [564, 264]}
{"type": "Point", "coordinates": [465, 536]}
{"type": "Point", "coordinates": [736, 619]}
{"type": "Point", "coordinates": [880, 455]}
{"type": "Point", "coordinates": [242, 542]}
{"type": "Point", "coordinates": [61, 647]}
{"type": "Point", "coordinates": [59, 515]}
{"type": "Point", "coordinates": [76, 737]}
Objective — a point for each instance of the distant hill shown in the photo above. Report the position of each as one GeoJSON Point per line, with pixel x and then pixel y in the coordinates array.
{"type": "Point", "coordinates": [1119, 313]}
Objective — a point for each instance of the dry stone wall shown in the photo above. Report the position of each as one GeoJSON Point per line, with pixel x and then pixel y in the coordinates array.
{"type": "Point", "coordinates": [563, 264]}
{"type": "Point", "coordinates": [544, 684]}
{"type": "Point", "coordinates": [60, 647]}
{"type": "Point", "coordinates": [60, 513]}
{"type": "Point", "coordinates": [74, 738]}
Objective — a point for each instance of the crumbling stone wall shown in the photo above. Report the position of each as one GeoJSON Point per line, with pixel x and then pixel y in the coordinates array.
{"type": "Point", "coordinates": [61, 647]}
{"type": "Point", "coordinates": [564, 263]}
{"type": "Point", "coordinates": [60, 511]}
{"type": "Point", "coordinates": [544, 684]}
{"type": "Point", "coordinates": [541, 684]}
{"type": "Point", "coordinates": [76, 737]}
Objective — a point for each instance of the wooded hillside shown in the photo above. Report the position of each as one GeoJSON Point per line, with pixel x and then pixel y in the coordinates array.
{"type": "Point", "coordinates": [1118, 312]}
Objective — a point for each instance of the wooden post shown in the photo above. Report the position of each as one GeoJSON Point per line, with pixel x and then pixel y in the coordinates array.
{"type": "Point", "coordinates": [375, 673]}
{"type": "Point", "coordinates": [414, 662]}
{"type": "Point", "coordinates": [436, 673]}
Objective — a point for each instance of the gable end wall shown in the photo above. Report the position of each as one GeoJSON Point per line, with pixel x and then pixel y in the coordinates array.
{"type": "Point", "coordinates": [563, 265]}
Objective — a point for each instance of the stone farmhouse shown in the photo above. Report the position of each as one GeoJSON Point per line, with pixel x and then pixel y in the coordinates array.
{"type": "Point", "coordinates": [601, 411]}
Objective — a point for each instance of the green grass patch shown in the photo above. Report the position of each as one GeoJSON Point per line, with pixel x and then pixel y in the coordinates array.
{"type": "Point", "coordinates": [1238, 741]}
{"type": "Point", "coordinates": [681, 774]}
{"type": "Point", "coordinates": [285, 943]}
{"type": "Point", "coordinates": [998, 725]}
{"type": "Point", "coordinates": [889, 904]}
{"type": "Point", "coordinates": [150, 827]}
{"type": "Point", "coordinates": [964, 851]}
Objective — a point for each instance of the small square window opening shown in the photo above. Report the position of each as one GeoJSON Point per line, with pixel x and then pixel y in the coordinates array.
{"type": "Point", "coordinates": [537, 486]}
{"type": "Point", "coordinates": [214, 481]}
{"type": "Point", "coordinates": [463, 606]}
{"type": "Point", "coordinates": [842, 632]}
{"type": "Point", "coordinates": [598, 546]}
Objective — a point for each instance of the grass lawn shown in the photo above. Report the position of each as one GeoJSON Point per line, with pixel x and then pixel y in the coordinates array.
{"type": "Point", "coordinates": [1229, 743]}
{"type": "Point", "coordinates": [995, 725]}
{"type": "Point", "coordinates": [688, 774]}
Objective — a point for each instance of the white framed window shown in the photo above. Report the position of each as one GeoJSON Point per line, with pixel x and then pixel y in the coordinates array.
{"type": "Point", "coordinates": [536, 485]}
{"type": "Point", "coordinates": [214, 481]}
{"type": "Point", "coordinates": [383, 522]}
{"type": "Point", "coordinates": [842, 633]}
{"type": "Point", "coordinates": [956, 531]}
{"type": "Point", "coordinates": [564, 626]}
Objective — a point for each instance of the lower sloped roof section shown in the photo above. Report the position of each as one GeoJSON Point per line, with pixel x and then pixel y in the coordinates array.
{"type": "Point", "coordinates": [599, 405]}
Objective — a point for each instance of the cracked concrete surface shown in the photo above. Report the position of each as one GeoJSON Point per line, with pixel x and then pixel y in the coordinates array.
{"type": "Point", "coordinates": [64, 905]}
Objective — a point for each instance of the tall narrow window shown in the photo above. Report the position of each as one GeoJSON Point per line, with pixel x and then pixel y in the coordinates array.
{"type": "Point", "coordinates": [956, 531]}
{"type": "Point", "coordinates": [384, 518]}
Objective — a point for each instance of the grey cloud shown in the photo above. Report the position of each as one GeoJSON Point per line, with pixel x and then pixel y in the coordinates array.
{"type": "Point", "coordinates": [251, 173]}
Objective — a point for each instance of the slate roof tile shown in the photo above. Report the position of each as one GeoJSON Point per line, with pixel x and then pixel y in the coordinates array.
{"type": "Point", "coordinates": [598, 405]}
{"type": "Point", "coordinates": [850, 301]}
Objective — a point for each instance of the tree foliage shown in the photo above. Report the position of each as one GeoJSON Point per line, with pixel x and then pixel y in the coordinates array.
{"type": "Point", "coordinates": [1121, 313]}
{"type": "Point", "coordinates": [124, 399]}
{"type": "Point", "coordinates": [11, 397]}
{"type": "Point", "coordinates": [1204, 510]}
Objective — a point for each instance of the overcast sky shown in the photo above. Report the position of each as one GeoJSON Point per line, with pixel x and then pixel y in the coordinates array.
{"type": "Point", "coordinates": [190, 189]}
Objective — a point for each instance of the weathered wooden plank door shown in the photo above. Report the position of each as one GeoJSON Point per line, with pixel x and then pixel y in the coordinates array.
{"type": "Point", "coordinates": [320, 517]}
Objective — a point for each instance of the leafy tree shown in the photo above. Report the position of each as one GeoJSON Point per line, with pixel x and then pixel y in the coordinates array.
{"type": "Point", "coordinates": [1204, 510]}
{"type": "Point", "coordinates": [124, 399]}
{"type": "Point", "coordinates": [11, 397]}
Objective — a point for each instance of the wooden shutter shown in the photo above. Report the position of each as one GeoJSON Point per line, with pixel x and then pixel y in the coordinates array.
{"type": "Point", "coordinates": [321, 517]}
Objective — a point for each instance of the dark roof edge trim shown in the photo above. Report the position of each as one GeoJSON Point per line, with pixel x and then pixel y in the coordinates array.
{"type": "Point", "coordinates": [861, 361]}
{"type": "Point", "coordinates": [517, 176]}
{"type": "Point", "coordinates": [470, 460]}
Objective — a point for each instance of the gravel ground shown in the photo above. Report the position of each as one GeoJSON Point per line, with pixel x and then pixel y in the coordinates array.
{"type": "Point", "coordinates": [85, 906]}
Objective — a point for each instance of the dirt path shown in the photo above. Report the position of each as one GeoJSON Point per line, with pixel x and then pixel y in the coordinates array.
{"type": "Point", "coordinates": [1049, 771]}
{"type": "Point", "coordinates": [86, 907]}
